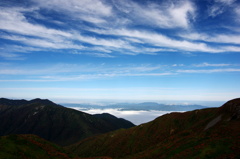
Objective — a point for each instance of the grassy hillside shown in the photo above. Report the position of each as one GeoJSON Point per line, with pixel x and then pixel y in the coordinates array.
{"type": "Point", "coordinates": [33, 147]}
{"type": "Point", "coordinates": [206, 133]}
{"type": "Point", "coordinates": [29, 147]}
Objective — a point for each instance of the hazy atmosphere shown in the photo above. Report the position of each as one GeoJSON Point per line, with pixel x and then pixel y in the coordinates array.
{"type": "Point", "coordinates": [80, 51]}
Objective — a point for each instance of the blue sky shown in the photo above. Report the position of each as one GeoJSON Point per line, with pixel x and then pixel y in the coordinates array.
{"type": "Point", "coordinates": [85, 50]}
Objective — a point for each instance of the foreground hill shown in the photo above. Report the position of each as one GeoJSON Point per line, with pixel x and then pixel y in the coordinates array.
{"type": "Point", "coordinates": [33, 147]}
{"type": "Point", "coordinates": [205, 133]}
{"type": "Point", "coordinates": [63, 126]}
{"type": "Point", "coordinates": [30, 146]}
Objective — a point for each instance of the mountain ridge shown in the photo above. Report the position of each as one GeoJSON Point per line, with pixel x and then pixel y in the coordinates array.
{"type": "Point", "coordinates": [51, 121]}
{"type": "Point", "coordinates": [200, 133]}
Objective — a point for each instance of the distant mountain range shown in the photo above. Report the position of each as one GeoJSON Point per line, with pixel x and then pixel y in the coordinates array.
{"type": "Point", "coordinates": [139, 106]}
{"type": "Point", "coordinates": [53, 122]}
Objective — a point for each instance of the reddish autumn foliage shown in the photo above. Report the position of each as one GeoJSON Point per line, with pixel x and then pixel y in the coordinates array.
{"type": "Point", "coordinates": [206, 133]}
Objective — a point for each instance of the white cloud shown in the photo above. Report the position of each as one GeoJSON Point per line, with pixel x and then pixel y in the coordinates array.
{"type": "Point", "coordinates": [237, 11]}
{"type": "Point", "coordinates": [49, 73]}
{"type": "Point", "coordinates": [122, 40]}
{"type": "Point", "coordinates": [233, 39]}
{"type": "Point", "coordinates": [178, 65]}
{"type": "Point", "coordinates": [216, 10]}
{"type": "Point", "coordinates": [137, 117]}
{"type": "Point", "coordinates": [99, 76]}
{"type": "Point", "coordinates": [205, 64]}
{"type": "Point", "coordinates": [96, 54]}
{"type": "Point", "coordinates": [33, 34]}
{"type": "Point", "coordinates": [18, 49]}
{"type": "Point", "coordinates": [44, 43]}
{"type": "Point", "coordinates": [93, 11]}
{"type": "Point", "coordinates": [40, 36]}
{"type": "Point", "coordinates": [44, 37]}
{"type": "Point", "coordinates": [228, 2]}
{"type": "Point", "coordinates": [10, 17]}
{"type": "Point", "coordinates": [219, 38]}
{"type": "Point", "coordinates": [164, 15]}
{"type": "Point", "coordinates": [103, 42]}
{"type": "Point", "coordinates": [77, 72]}
{"type": "Point", "coordinates": [11, 56]}
{"type": "Point", "coordinates": [220, 6]}
{"type": "Point", "coordinates": [160, 40]}
{"type": "Point", "coordinates": [231, 48]}
{"type": "Point", "coordinates": [43, 69]}
{"type": "Point", "coordinates": [181, 13]}
{"type": "Point", "coordinates": [165, 43]}
{"type": "Point", "coordinates": [210, 70]}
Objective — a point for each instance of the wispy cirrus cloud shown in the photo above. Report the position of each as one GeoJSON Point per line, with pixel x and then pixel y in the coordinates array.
{"type": "Point", "coordinates": [160, 40]}
{"type": "Point", "coordinates": [210, 70]}
{"type": "Point", "coordinates": [94, 11]}
{"type": "Point", "coordinates": [165, 15]}
{"type": "Point", "coordinates": [220, 6]}
{"type": "Point", "coordinates": [43, 44]}
{"type": "Point", "coordinates": [205, 64]}
{"type": "Point", "coordinates": [110, 42]}
{"type": "Point", "coordinates": [11, 56]}
{"type": "Point", "coordinates": [75, 72]}
{"type": "Point", "coordinates": [33, 35]}
{"type": "Point", "coordinates": [217, 38]}
{"type": "Point", "coordinates": [85, 77]}
{"type": "Point", "coordinates": [110, 26]}
{"type": "Point", "coordinates": [16, 15]}
{"type": "Point", "coordinates": [42, 37]}
{"type": "Point", "coordinates": [90, 69]}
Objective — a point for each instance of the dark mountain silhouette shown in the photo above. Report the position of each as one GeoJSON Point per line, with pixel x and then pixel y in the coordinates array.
{"type": "Point", "coordinates": [7, 102]}
{"type": "Point", "coordinates": [53, 122]}
{"type": "Point", "coordinates": [206, 133]}
{"type": "Point", "coordinates": [114, 120]}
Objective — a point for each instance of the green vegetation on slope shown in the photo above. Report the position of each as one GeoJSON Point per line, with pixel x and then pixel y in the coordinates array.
{"type": "Point", "coordinates": [206, 133]}
{"type": "Point", "coordinates": [29, 147]}
{"type": "Point", "coordinates": [212, 133]}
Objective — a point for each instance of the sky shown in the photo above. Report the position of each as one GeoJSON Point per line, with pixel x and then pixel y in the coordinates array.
{"type": "Point", "coordinates": [148, 50]}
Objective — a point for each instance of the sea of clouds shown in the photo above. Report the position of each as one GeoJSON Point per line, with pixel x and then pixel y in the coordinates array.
{"type": "Point", "coordinates": [136, 117]}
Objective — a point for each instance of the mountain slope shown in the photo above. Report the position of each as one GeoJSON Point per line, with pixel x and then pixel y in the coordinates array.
{"type": "Point", "coordinates": [52, 122]}
{"type": "Point", "coordinates": [206, 133]}
{"type": "Point", "coordinates": [114, 120]}
{"type": "Point", "coordinates": [30, 146]}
